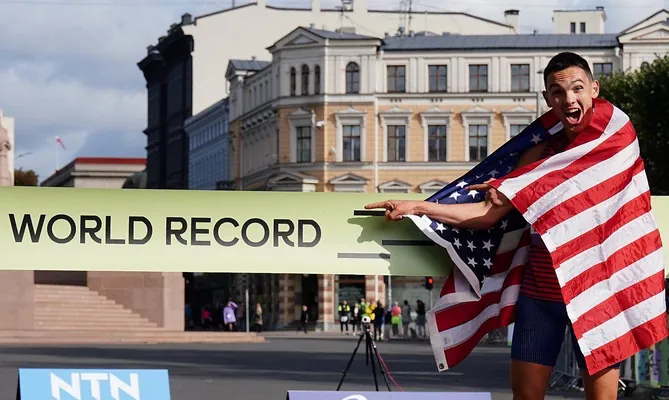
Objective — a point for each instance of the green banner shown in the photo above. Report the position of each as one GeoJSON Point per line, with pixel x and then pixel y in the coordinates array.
{"type": "Point", "coordinates": [216, 231]}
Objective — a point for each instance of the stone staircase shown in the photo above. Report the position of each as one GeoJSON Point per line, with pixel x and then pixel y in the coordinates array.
{"type": "Point", "coordinates": [78, 315]}
{"type": "Point", "coordinates": [59, 307]}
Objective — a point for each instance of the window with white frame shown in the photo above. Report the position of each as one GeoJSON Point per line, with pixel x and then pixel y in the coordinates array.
{"type": "Point", "coordinates": [515, 129]}
{"type": "Point", "coordinates": [303, 144]}
{"type": "Point", "coordinates": [396, 143]}
{"type": "Point", "coordinates": [477, 122]}
{"type": "Point", "coordinates": [437, 142]}
{"type": "Point", "coordinates": [436, 124]}
{"type": "Point", "coordinates": [351, 142]}
{"type": "Point", "coordinates": [478, 142]}
{"type": "Point", "coordinates": [352, 78]}
{"type": "Point", "coordinates": [520, 77]}
{"type": "Point", "coordinates": [396, 78]}
{"type": "Point", "coordinates": [478, 78]}
{"type": "Point", "coordinates": [517, 119]}
{"type": "Point", "coordinates": [350, 135]}
{"type": "Point", "coordinates": [438, 77]}
{"type": "Point", "coordinates": [601, 70]}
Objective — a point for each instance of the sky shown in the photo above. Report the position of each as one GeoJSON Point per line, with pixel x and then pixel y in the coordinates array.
{"type": "Point", "coordinates": [68, 68]}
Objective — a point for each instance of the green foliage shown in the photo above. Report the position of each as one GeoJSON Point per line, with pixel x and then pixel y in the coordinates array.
{"type": "Point", "coordinates": [644, 96]}
{"type": "Point", "coordinates": [25, 178]}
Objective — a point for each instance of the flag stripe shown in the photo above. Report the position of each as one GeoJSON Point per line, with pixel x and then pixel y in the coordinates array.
{"type": "Point", "coordinates": [572, 208]}
{"type": "Point", "coordinates": [602, 171]}
{"type": "Point", "coordinates": [615, 241]}
{"type": "Point", "coordinates": [578, 290]}
{"type": "Point", "coordinates": [622, 323]}
{"type": "Point", "coordinates": [623, 347]}
{"type": "Point", "coordinates": [622, 299]}
{"type": "Point", "coordinates": [584, 237]}
{"type": "Point", "coordinates": [562, 176]}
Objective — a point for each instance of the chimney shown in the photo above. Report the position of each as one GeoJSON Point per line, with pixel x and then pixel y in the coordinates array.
{"type": "Point", "coordinates": [186, 19]}
{"type": "Point", "coordinates": [512, 19]}
{"type": "Point", "coordinates": [316, 6]}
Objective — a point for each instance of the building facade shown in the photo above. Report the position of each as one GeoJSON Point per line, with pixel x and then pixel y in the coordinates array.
{"type": "Point", "coordinates": [95, 172]}
{"type": "Point", "coordinates": [7, 124]}
{"type": "Point", "coordinates": [184, 69]}
{"type": "Point", "coordinates": [343, 112]}
{"type": "Point", "coordinates": [207, 134]}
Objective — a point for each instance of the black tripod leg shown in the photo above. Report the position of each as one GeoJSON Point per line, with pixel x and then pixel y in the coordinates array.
{"type": "Point", "coordinates": [384, 373]}
{"type": "Point", "coordinates": [350, 361]}
{"type": "Point", "coordinates": [371, 357]}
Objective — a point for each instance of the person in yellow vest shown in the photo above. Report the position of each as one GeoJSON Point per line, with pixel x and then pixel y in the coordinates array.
{"type": "Point", "coordinates": [344, 315]}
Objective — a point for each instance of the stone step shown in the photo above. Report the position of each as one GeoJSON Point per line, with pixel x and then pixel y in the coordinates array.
{"type": "Point", "coordinates": [81, 313]}
{"type": "Point", "coordinates": [118, 337]}
{"type": "Point", "coordinates": [94, 320]}
{"type": "Point", "coordinates": [100, 325]}
{"type": "Point", "coordinates": [71, 297]}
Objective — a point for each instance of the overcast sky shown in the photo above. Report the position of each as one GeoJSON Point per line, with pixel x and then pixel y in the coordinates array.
{"type": "Point", "coordinates": [68, 67]}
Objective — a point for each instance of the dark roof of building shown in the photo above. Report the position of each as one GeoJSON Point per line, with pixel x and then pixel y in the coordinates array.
{"type": "Point", "coordinates": [495, 42]}
{"type": "Point", "coordinates": [249, 65]}
{"type": "Point", "coordinates": [338, 35]}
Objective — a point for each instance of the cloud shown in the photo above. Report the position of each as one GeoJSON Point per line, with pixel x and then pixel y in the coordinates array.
{"type": "Point", "coordinates": [68, 67]}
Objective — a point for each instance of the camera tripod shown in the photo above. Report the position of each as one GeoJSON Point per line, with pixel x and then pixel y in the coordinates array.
{"type": "Point", "coordinates": [370, 355]}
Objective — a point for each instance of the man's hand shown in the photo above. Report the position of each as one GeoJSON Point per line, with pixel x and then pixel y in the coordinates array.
{"type": "Point", "coordinates": [395, 209]}
{"type": "Point", "coordinates": [492, 195]}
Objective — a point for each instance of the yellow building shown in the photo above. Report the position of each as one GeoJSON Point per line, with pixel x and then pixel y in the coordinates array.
{"type": "Point", "coordinates": [343, 112]}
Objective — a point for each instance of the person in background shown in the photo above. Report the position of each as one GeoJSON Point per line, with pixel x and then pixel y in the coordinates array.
{"type": "Point", "coordinates": [420, 318]}
{"type": "Point", "coordinates": [304, 319]}
{"type": "Point", "coordinates": [257, 319]}
{"type": "Point", "coordinates": [344, 315]}
{"type": "Point", "coordinates": [396, 319]}
{"type": "Point", "coordinates": [230, 316]}
{"type": "Point", "coordinates": [356, 316]}
{"type": "Point", "coordinates": [378, 321]}
{"type": "Point", "coordinates": [406, 318]}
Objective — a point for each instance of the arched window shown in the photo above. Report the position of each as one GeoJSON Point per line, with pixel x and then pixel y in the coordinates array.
{"type": "Point", "coordinates": [317, 79]}
{"type": "Point", "coordinates": [352, 78]}
{"type": "Point", "coordinates": [293, 82]}
{"type": "Point", "coordinates": [305, 80]}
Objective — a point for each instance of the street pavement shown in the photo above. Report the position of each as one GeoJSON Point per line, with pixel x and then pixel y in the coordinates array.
{"type": "Point", "coordinates": [265, 371]}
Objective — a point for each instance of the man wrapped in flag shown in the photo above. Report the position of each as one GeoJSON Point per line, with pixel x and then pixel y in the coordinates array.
{"type": "Point", "coordinates": [554, 230]}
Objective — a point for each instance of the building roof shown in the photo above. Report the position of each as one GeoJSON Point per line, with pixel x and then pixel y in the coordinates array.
{"type": "Point", "coordinates": [495, 42]}
{"type": "Point", "coordinates": [249, 65]}
{"type": "Point", "coordinates": [338, 35]}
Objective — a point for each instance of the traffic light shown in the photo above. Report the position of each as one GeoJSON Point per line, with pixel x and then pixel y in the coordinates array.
{"type": "Point", "coordinates": [429, 283]}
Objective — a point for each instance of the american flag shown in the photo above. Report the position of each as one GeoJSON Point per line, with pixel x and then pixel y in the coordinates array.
{"type": "Point", "coordinates": [591, 206]}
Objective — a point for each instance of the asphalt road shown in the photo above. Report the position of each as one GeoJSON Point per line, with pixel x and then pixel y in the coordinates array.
{"type": "Point", "coordinates": [266, 371]}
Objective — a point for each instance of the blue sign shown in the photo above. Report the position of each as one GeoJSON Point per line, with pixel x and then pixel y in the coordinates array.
{"type": "Point", "coordinates": [310, 395]}
{"type": "Point", "coordinates": [93, 384]}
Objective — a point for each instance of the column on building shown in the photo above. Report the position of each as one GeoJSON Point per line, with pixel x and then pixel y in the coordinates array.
{"type": "Point", "coordinates": [326, 303]}
{"type": "Point", "coordinates": [371, 295]}
{"type": "Point", "coordinates": [287, 303]}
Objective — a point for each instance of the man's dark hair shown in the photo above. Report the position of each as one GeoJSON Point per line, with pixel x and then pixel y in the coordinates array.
{"type": "Point", "coordinates": [564, 60]}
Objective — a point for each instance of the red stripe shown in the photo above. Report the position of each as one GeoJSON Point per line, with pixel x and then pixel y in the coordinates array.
{"type": "Point", "coordinates": [549, 120]}
{"type": "Point", "coordinates": [631, 253]}
{"type": "Point", "coordinates": [584, 200]}
{"type": "Point", "coordinates": [632, 342]}
{"type": "Point", "coordinates": [503, 261]}
{"type": "Point", "coordinates": [619, 302]}
{"type": "Point", "coordinates": [456, 354]}
{"type": "Point", "coordinates": [449, 285]}
{"type": "Point", "coordinates": [462, 313]}
{"type": "Point", "coordinates": [597, 235]}
{"type": "Point", "coordinates": [604, 151]}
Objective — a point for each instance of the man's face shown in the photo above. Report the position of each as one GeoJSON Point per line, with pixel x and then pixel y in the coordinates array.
{"type": "Point", "coordinates": [570, 92]}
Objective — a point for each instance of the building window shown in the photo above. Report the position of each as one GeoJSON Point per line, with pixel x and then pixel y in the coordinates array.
{"type": "Point", "coordinates": [305, 80]}
{"type": "Point", "coordinates": [582, 27]}
{"type": "Point", "coordinates": [602, 69]}
{"type": "Point", "coordinates": [351, 142]}
{"type": "Point", "coordinates": [396, 79]}
{"type": "Point", "coordinates": [352, 78]}
{"type": "Point", "coordinates": [293, 81]}
{"type": "Point", "coordinates": [520, 77]}
{"type": "Point", "coordinates": [478, 78]}
{"type": "Point", "coordinates": [436, 143]}
{"type": "Point", "coordinates": [303, 144]}
{"type": "Point", "coordinates": [516, 129]}
{"type": "Point", "coordinates": [317, 79]}
{"type": "Point", "coordinates": [438, 78]}
{"type": "Point", "coordinates": [572, 27]}
{"type": "Point", "coordinates": [396, 143]}
{"type": "Point", "coordinates": [478, 142]}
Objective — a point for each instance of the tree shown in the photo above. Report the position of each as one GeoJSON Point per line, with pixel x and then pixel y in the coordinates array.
{"type": "Point", "coordinates": [644, 96]}
{"type": "Point", "coordinates": [25, 178]}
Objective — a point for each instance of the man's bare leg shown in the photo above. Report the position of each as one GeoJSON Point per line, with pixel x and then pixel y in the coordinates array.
{"type": "Point", "coordinates": [601, 386]}
{"type": "Point", "coordinates": [529, 380]}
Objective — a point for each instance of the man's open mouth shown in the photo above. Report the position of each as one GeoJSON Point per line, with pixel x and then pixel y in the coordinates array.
{"type": "Point", "coordinates": [573, 116]}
